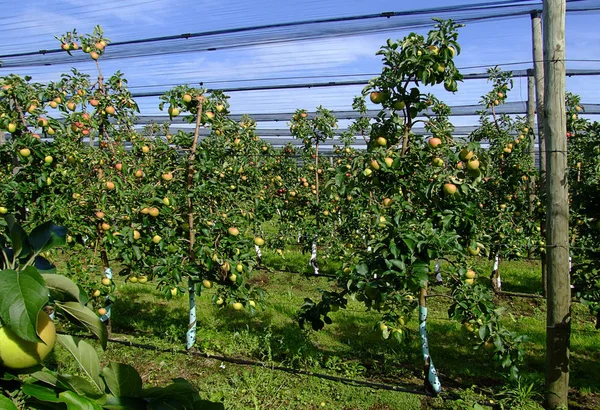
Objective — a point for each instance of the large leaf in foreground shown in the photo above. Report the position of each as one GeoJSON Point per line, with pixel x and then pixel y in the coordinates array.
{"type": "Point", "coordinates": [7, 404]}
{"type": "Point", "coordinates": [42, 393]}
{"type": "Point", "coordinates": [62, 288]}
{"type": "Point", "coordinates": [47, 236]}
{"type": "Point", "coordinates": [18, 237]}
{"type": "Point", "coordinates": [122, 380]}
{"type": "Point", "coordinates": [22, 296]}
{"type": "Point", "coordinates": [87, 358]}
{"type": "Point", "coordinates": [76, 402]}
{"type": "Point", "coordinates": [86, 317]}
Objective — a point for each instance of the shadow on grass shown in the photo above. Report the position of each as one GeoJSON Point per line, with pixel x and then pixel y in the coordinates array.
{"type": "Point", "coordinates": [274, 334]}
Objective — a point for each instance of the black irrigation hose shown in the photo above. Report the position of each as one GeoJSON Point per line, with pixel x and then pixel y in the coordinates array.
{"type": "Point", "coordinates": [309, 274]}
{"type": "Point", "coordinates": [245, 362]}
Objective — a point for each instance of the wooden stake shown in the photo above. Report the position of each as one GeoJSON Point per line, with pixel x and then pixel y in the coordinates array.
{"type": "Point", "coordinates": [558, 318]}
{"type": "Point", "coordinates": [531, 135]}
{"type": "Point", "coordinates": [538, 70]}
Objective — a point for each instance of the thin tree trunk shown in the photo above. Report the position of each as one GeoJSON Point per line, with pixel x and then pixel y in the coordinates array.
{"type": "Point", "coordinates": [191, 332]}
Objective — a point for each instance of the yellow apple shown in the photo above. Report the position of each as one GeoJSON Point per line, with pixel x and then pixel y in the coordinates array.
{"type": "Point", "coordinates": [16, 353]}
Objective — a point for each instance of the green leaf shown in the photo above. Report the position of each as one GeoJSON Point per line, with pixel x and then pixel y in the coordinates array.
{"type": "Point", "coordinates": [122, 380]}
{"type": "Point", "coordinates": [339, 179]}
{"type": "Point", "coordinates": [45, 376]}
{"type": "Point", "coordinates": [394, 249]}
{"type": "Point", "coordinates": [208, 405]}
{"type": "Point", "coordinates": [411, 243]}
{"type": "Point", "coordinates": [7, 404]}
{"type": "Point", "coordinates": [124, 403]}
{"type": "Point", "coordinates": [62, 288]}
{"type": "Point", "coordinates": [22, 296]}
{"type": "Point", "coordinates": [421, 272]}
{"type": "Point", "coordinates": [86, 317]}
{"type": "Point", "coordinates": [47, 236]}
{"type": "Point", "coordinates": [361, 269]}
{"type": "Point", "coordinates": [42, 393]}
{"type": "Point", "coordinates": [137, 252]}
{"type": "Point", "coordinates": [79, 385]}
{"type": "Point", "coordinates": [76, 402]}
{"type": "Point", "coordinates": [87, 358]}
{"type": "Point", "coordinates": [43, 265]}
{"type": "Point", "coordinates": [18, 237]}
{"type": "Point", "coordinates": [180, 394]}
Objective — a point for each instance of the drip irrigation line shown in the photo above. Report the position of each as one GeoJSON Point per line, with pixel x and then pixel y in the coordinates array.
{"type": "Point", "coordinates": [530, 296]}
{"type": "Point", "coordinates": [254, 363]}
{"type": "Point", "coordinates": [310, 274]}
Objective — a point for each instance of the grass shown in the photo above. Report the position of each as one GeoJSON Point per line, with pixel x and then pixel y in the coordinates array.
{"type": "Point", "coordinates": [351, 347]}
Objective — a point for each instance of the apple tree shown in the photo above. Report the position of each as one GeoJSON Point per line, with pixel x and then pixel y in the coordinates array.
{"type": "Point", "coordinates": [416, 202]}
{"type": "Point", "coordinates": [584, 194]}
{"type": "Point", "coordinates": [508, 201]}
{"type": "Point", "coordinates": [312, 211]}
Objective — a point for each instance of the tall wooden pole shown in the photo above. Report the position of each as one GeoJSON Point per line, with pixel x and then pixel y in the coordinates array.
{"type": "Point", "coordinates": [538, 72]}
{"type": "Point", "coordinates": [531, 133]}
{"type": "Point", "coordinates": [558, 318]}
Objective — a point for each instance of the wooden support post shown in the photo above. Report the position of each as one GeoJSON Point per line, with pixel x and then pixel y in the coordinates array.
{"type": "Point", "coordinates": [538, 71]}
{"type": "Point", "coordinates": [558, 318]}
{"type": "Point", "coordinates": [531, 135]}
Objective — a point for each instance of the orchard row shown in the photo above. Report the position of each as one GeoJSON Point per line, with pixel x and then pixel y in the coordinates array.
{"type": "Point", "coordinates": [177, 208]}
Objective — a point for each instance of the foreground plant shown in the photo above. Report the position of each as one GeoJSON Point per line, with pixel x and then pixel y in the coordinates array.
{"type": "Point", "coordinates": [29, 288]}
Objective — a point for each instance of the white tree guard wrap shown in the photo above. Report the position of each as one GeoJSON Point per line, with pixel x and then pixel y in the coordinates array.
{"type": "Point", "coordinates": [432, 376]}
{"type": "Point", "coordinates": [570, 266]}
{"type": "Point", "coordinates": [51, 301]}
{"type": "Point", "coordinates": [258, 252]}
{"type": "Point", "coordinates": [438, 271]}
{"type": "Point", "coordinates": [495, 268]}
{"type": "Point", "coordinates": [107, 274]}
{"type": "Point", "coordinates": [313, 258]}
{"type": "Point", "coordinates": [190, 336]}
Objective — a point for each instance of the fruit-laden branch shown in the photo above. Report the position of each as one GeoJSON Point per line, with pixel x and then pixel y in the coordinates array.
{"type": "Point", "coordinates": [100, 77]}
{"type": "Point", "coordinates": [20, 111]}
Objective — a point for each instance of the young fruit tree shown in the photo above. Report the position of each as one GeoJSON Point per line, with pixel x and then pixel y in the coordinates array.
{"type": "Point", "coordinates": [414, 201]}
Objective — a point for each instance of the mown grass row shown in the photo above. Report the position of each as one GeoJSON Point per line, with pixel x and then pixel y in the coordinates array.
{"type": "Point", "coordinates": [351, 347]}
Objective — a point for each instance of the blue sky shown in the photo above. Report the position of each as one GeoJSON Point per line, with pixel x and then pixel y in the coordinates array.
{"type": "Point", "coordinates": [31, 25]}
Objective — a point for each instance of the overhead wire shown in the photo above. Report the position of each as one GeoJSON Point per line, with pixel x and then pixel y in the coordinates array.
{"type": "Point", "coordinates": [274, 33]}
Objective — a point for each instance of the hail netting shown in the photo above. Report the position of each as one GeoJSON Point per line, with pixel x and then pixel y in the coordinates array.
{"type": "Point", "coordinates": [260, 34]}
